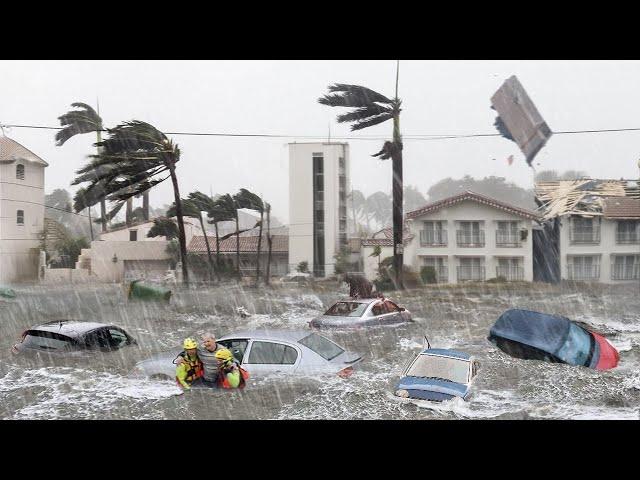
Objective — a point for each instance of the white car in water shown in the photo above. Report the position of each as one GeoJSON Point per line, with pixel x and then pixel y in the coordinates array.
{"type": "Point", "coordinates": [263, 352]}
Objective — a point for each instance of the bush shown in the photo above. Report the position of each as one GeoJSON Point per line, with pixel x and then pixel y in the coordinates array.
{"type": "Point", "coordinates": [498, 279]}
{"type": "Point", "coordinates": [428, 274]}
{"type": "Point", "coordinates": [303, 267]}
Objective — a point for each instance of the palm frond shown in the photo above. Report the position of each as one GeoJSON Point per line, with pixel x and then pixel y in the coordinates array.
{"type": "Point", "coordinates": [352, 96]}
{"type": "Point", "coordinates": [189, 209]}
{"type": "Point", "coordinates": [369, 122]}
{"type": "Point", "coordinates": [203, 202]}
{"type": "Point", "coordinates": [83, 120]}
{"type": "Point", "coordinates": [246, 199]}
{"type": "Point", "coordinates": [364, 113]}
{"type": "Point", "coordinates": [163, 227]}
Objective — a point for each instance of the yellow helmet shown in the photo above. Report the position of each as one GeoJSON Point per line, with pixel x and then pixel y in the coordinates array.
{"type": "Point", "coordinates": [224, 354]}
{"type": "Point", "coordinates": [189, 343]}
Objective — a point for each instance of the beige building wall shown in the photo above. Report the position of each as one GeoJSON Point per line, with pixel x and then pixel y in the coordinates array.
{"type": "Point", "coordinates": [370, 264]}
{"type": "Point", "coordinates": [106, 269]}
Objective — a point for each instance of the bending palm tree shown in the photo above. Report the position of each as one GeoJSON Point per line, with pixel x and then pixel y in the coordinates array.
{"type": "Point", "coordinates": [163, 227]}
{"type": "Point", "coordinates": [218, 213]}
{"type": "Point", "coordinates": [371, 108]}
{"type": "Point", "coordinates": [247, 199]}
{"type": "Point", "coordinates": [135, 157]}
{"type": "Point", "coordinates": [227, 206]}
{"type": "Point", "coordinates": [267, 208]}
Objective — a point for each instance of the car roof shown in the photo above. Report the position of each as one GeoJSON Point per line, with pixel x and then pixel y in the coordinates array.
{"type": "Point", "coordinates": [69, 327]}
{"type": "Point", "coordinates": [357, 300]}
{"type": "Point", "coordinates": [539, 330]}
{"type": "Point", "coordinates": [445, 352]}
{"type": "Point", "coordinates": [270, 334]}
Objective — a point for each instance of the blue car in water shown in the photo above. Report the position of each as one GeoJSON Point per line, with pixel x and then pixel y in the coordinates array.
{"type": "Point", "coordinates": [438, 374]}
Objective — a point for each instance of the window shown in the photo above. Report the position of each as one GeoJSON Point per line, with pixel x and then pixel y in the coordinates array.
{"type": "Point", "coordinates": [20, 171]}
{"type": "Point", "coordinates": [46, 340]}
{"type": "Point", "coordinates": [237, 347]}
{"type": "Point", "coordinates": [391, 307]}
{"type": "Point", "coordinates": [133, 235]}
{"type": "Point", "coordinates": [628, 231]}
{"type": "Point", "coordinates": [118, 338]}
{"type": "Point", "coordinates": [578, 348]}
{"type": "Point", "coordinates": [378, 309]}
{"type": "Point", "coordinates": [322, 346]}
{"type": "Point", "coordinates": [347, 309]}
{"type": "Point", "coordinates": [434, 366]}
{"type": "Point", "coordinates": [625, 267]}
{"type": "Point", "coordinates": [98, 339]}
{"type": "Point", "coordinates": [434, 233]}
{"type": "Point", "coordinates": [20, 217]}
{"type": "Point", "coordinates": [272, 354]}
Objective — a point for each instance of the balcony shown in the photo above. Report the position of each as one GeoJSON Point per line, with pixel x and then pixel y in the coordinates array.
{"type": "Point", "coordinates": [471, 274]}
{"type": "Point", "coordinates": [468, 239]}
{"type": "Point", "coordinates": [627, 238]}
{"type": "Point", "coordinates": [511, 274]}
{"type": "Point", "coordinates": [625, 272]}
{"type": "Point", "coordinates": [583, 272]}
{"type": "Point", "coordinates": [507, 239]}
{"type": "Point", "coordinates": [433, 238]}
{"type": "Point", "coordinates": [587, 236]}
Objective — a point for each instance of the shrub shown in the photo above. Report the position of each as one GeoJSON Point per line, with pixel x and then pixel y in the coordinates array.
{"type": "Point", "coordinates": [303, 267]}
{"type": "Point", "coordinates": [428, 274]}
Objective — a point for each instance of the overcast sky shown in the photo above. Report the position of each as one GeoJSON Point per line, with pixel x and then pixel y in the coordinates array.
{"type": "Point", "coordinates": [280, 97]}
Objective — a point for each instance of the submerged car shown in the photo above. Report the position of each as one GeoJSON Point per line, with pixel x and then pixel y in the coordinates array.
{"type": "Point", "coordinates": [362, 312]}
{"type": "Point", "coordinates": [64, 337]}
{"type": "Point", "coordinates": [438, 374]}
{"type": "Point", "coordinates": [261, 352]}
{"type": "Point", "coordinates": [538, 336]}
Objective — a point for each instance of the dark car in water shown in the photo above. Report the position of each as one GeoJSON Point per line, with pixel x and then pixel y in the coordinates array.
{"type": "Point", "coordinates": [538, 336]}
{"type": "Point", "coordinates": [65, 337]}
{"type": "Point", "coordinates": [362, 312]}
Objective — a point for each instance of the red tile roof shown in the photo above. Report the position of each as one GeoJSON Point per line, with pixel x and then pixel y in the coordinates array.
{"type": "Point", "coordinates": [475, 197]}
{"type": "Point", "coordinates": [247, 244]}
{"type": "Point", "coordinates": [621, 207]}
{"type": "Point", "coordinates": [10, 150]}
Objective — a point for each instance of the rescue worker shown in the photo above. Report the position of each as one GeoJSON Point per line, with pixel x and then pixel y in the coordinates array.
{"type": "Point", "coordinates": [209, 361]}
{"type": "Point", "coordinates": [230, 374]}
{"type": "Point", "coordinates": [189, 367]}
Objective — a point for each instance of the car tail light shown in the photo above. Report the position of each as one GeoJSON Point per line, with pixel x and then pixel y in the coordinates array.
{"type": "Point", "coordinates": [345, 372]}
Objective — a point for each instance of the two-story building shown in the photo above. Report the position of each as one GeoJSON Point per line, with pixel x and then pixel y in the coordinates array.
{"type": "Point", "coordinates": [599, 228]}
{"type": "Point", "coordinates": [21, 211]}
{"type": "Point", "coordinates": [471, 237]}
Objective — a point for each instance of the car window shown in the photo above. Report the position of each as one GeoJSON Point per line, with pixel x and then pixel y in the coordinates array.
{"type": "Point", "coordinates": [577, 349]}
{"type": "Point", "coordinates": [525, 352]}
{"type": "Point", "coordinates": [47, 340]}
{"type": "Point", "coordinates": [272, 353]}
{"type": "Point", "coordinates": [237, 347]}
{"type": "Point", "coordinates": [99, 338]}
{"type": "Point", "coordinates": [118, 338]}
{"type": "Point", "coordinates": [322, 346]}
{"type": "Point", "coordinates": [435, 366]}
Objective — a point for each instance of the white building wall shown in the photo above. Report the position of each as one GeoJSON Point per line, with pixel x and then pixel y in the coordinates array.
{"type": "Point", "coordinates": [122, 235]}
{"type": "Point", "coordinates": [19, 244]}
{"type": "Point", "coordinates": [370, 264]}
{"type": "Point", "coordinates": [102, 253]}
{"type": "Point", "coordinates": [470, 211]}
{"type": "Point", "coordinates": [301, 201]}
{"type": "Point", "coordinates": [605, 250]}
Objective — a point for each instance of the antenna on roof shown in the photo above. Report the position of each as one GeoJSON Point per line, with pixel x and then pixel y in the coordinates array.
{"type": "Point", "coordinates": [427, 342]}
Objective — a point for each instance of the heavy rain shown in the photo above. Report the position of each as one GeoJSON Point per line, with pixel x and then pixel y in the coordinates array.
{"type": "Point", "coordinates": [107, 218]}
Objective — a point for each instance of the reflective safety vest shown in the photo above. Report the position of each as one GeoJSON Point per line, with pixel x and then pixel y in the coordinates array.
{"type": "Point", "coordinates": [223, 382]}
{"type": "Point", "coordinates": [195, 369]}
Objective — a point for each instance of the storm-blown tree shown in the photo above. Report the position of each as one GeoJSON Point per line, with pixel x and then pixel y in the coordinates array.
{"type": "Point", "coordinates": [135, 157]}
{"type": "Point", "coordinates": [247, 199]}
{"type": "Point", "coordinates": [164, 227]}
{"type": "Point", "coordinates": [371, 108]}
{"type": "Point", "coordinates": [226, 206]}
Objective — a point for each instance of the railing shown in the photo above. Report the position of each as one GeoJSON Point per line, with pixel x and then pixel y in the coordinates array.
{"type": "Point", "coordinates": [583, 272]}
{"type": "Point", "coordinates": [507, 239]}
{"type": "Point", "coordinates": [627, 237]}
{"type": "Point", "coordinates": [466, 239]}
{"type": "Point", "coordinates": [510, 273]}
{"type": "Point", "coordinates": [625, 272]}
{"type": "Point", "coordinates": [442, 274]}
{"type": "Point", "coordinates": [436, 238]}
{"type": "Point", "coordinates": [586, 235]}
{"type": "Point", "coordinates": [473, 274]}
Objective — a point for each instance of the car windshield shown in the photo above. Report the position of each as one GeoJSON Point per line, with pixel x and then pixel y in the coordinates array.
{"type": "Point", "coordinates": [576, 349]}
{"type": "Point", "coordinates": [347, 309]}
{"type": "Point", "coordinates": [322, 346]}
{"type": "Point", "coordinates": [446, 368]}
{"type": "Point", "coordinates": [46, 340]}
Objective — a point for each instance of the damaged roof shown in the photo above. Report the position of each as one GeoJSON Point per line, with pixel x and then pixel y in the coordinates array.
{"type": "Point", "coordinates": [584, 196]}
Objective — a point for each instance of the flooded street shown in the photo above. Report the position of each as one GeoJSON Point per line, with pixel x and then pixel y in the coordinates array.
{"type": "Point", "coordinates": [97, 387]}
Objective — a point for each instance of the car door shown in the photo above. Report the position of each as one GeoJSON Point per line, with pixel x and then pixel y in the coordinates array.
{"type": "Point", "coordinates": [376, 313]}
{"type": "Point", "coordinates": [270, 356]}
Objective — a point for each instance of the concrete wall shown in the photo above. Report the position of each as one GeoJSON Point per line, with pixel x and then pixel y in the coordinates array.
{"type": "Point", "coordinates": [102, 252]}
{"type": "Point", "coordinates": [606, 249]}
{"type": "Point", "coordinates": [67, 275]}
{"type": "Point", "coordinates": [301, 201]}
{"type": "Point", "coordinates": [18, 260]}
{"type": "Point", "coordinates": [470, 211]}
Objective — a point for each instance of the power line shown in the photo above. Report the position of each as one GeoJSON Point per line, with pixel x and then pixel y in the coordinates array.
{"type": "Point", "coordinates": [424, 137]}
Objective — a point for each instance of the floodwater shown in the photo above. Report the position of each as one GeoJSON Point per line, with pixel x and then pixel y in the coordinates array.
{"type": "Point", "coordinates": [98, 387]}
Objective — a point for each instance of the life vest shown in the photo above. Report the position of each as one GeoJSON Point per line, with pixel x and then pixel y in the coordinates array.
{"type": "Point", "coordinates": [195, 368]}
{"type": "Point", "coordinates": [224, 383]}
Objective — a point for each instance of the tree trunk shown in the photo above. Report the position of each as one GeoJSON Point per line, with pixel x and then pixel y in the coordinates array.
{"type": "Point", "coordinates": [90, 223]}
{"type": "Point", "coordinates": [397, 203]}
{"type": "Point", "coordinates": [259, 246]}
{"type": "Point", "coordinates": [181, 235]}
{"type": "Point", "coordinates": [268, 245]}
{"type": "Point", "coordinates": [238, 248]}
{"type": "Point", "coordinates": [103, 203]}
{"type": "Point", "coordinates": [353, 210]}
{"type": "Point", "coordinates": [145, 205]}
{"type": "Point", "coordinates": [215, 224]}
{"type": "Point", "coordinates": [206, 242]}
